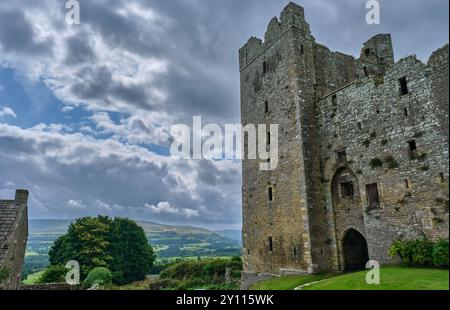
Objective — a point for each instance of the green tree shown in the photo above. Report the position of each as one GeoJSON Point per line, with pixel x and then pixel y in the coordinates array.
{"type": "Point", "coordinates": [119, 245]}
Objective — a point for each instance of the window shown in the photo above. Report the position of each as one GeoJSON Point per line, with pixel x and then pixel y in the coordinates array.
{"type": "Point", "coordinates": [407, 185]}
{"type": "Point", "coordinates": [403, 86]}
{"type": "Point", "coordinates": [367, 52]}
{"type": "Point", "coordinates": [270, 194]}
{"type": "Point", "coordinates": [334, 101]}
{"type": "Point", "coordinates": [294, 252]}
{"type": "Point", "coordinates": [341, 156]}
{"type": "Point", "coordinates": [373, 198]}
{"type": "Point", "coordinates": [366, 73]}
{"type": "Point", "coordinates": [302, 49]}
{"type": "Point", "coordinates": [406, 112]}
{"type": "Point", "coordinates": [359, 126]}
{"type": "Point", "coordinates": [270, 242]}
{"type": "Point", "coordinates": [264, 67]}
{"type": "Point", "coordinates": [266, 107]}
{"type": "Point", "coordinates": [268, 138]}
{"type": "Point", "coordinates": [412, 148]}
{"type": "Point", "coordinates": [442, 177]}
{"type": "Point", "coordinates": [347, 190]}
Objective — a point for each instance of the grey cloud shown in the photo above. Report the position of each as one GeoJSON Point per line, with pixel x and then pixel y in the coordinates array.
{"type": "Point", "coordinates": [16, 35]}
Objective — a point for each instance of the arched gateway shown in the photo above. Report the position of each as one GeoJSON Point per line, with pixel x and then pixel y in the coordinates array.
{"type": "Point", "coordinates": [355, 250]}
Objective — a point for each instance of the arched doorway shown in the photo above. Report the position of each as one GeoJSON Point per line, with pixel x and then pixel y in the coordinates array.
{"type": "Point", "coordinates": [356, 253]}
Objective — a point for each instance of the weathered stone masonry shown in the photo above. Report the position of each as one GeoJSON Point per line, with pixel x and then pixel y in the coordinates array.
{"type": "Point", "coordinates": [363, 150]}
{"type": "Point", "coordinates": [13, 238]}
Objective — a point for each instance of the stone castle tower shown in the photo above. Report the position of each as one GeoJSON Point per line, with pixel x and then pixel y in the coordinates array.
{"type": "Point", "coordinates": [363, 151]}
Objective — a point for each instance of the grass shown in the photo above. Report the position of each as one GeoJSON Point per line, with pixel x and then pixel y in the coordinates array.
{"type": "Point", "coordinates": [33, 278]}
{"type": "Point", "coordinates": [287, 282]}
{"type": "Point", "coordinates": [392, 278]}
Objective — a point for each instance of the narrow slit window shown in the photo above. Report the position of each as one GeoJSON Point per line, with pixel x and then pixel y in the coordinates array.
{"type": "Point", "coordinates": [403, 86]}
{"type": "Point", "coordinates": [302, 49]}
{"type": "Point", "coordinates": [294, 252]}
{"type": "Point", "coordinates": [270, 244]}
{"type": "Point", "coordinates": [264, 67]}
{"type": "Point", "coordinates": [268, 138]}
{"type": "Point", "coordinates": [366, 72]}
{"type": "Point", "coordinates": [442, 177]}
{"type": "Point", "coordinates": [270, 194]}
{"type": "Point", "coordinates": [334, 101]}
{"type": "Point", "coordinates": [407, 185]}
{"type": "Point", "coordinates": [359, 126]}
{"type": "Point", "coordinates": [406, 112]}
{"type": "Point", "coordinates": [266, 107]}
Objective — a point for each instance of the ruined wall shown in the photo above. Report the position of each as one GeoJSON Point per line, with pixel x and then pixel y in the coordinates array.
{"type": "Point", "coordinates": [373, 120]}
{"type": "Point", "coordinates": [16, 246]}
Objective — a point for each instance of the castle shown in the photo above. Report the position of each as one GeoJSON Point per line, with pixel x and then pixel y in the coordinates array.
{"type": "Point", "coordinates": [13, 239]}
{"type": "Point", "coordinates": [363, 151]}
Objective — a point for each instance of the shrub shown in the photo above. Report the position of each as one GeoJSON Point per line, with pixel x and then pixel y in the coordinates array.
{"type": "Point", "coordinates": [419, 253]}
{"type": "Point", "coordinates": [100, 276]}
{"type": "Point", "coordinates": [376, 163]}
{"type": "Point", "coordinates": [440, 254]}
{"type": "Point", "coordinates": [391, 162]}
{"type": "Point", "coordinates": [4, 273]}
{"type": "Point", "coordinates": [54, 274]}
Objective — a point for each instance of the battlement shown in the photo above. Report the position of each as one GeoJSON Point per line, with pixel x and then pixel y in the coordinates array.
{"type": "Point", "coordinates": [293, 15]}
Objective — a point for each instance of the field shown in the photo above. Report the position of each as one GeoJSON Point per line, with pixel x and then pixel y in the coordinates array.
{"type": "Point", "coordinates": [392, 278]}
{"type": "Point", "coordinates": [170, 243]}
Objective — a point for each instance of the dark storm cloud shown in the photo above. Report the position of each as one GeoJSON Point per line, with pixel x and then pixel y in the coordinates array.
{"type": "Point", "coordinates": [17, 36]}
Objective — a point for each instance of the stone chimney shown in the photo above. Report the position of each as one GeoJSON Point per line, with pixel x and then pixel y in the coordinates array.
{"type": "Point", "coordinates": [21, 197]}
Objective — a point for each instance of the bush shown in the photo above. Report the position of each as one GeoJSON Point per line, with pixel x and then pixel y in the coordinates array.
{"type": "Point", "coordinates": [376, 163]}
{"type": "Point", "coordinates": [54, 274]}
{"type": "Point", "coordinates": [440, 254]}
{"type": "Point", "coordinates": [201, 274]}
{"type": "Point", "coordinates": [100, 276]}
{"type": "Point", "coordinates": [421, 253]}
{"type": "Point", "coordinates": [4, 273]}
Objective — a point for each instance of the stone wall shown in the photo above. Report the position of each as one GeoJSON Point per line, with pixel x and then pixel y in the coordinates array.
{"type": "Point", "coordinates": [50, 287]}
{"type": "Point", "coordinates": [15, 245]}
{"type": "Point", "coordinates": [373, 120]}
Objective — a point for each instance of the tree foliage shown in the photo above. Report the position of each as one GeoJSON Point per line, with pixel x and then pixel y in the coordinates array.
{"type": "Point", "coordinates": [117, 244]}
{"type": "Point", "coordinates": [54, 274]}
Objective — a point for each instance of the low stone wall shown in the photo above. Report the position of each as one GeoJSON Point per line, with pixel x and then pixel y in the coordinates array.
{"type": "Point", "coordinates": [248, 279]}
{"type": "Point", "coordinates": [50, 287]}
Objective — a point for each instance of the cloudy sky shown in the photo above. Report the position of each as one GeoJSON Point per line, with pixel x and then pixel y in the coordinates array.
{"type": "Point", "coordinates": [85, 110]}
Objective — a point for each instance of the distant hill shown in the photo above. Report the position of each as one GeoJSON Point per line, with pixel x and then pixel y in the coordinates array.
{"type": "Point", "coordinates": [235, 234]}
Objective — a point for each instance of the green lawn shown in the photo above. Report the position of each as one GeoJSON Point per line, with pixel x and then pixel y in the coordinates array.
{"type": "Point", "coordinates": [392, 278]}
{"type": "Point", "coordinates": [287, 282]}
